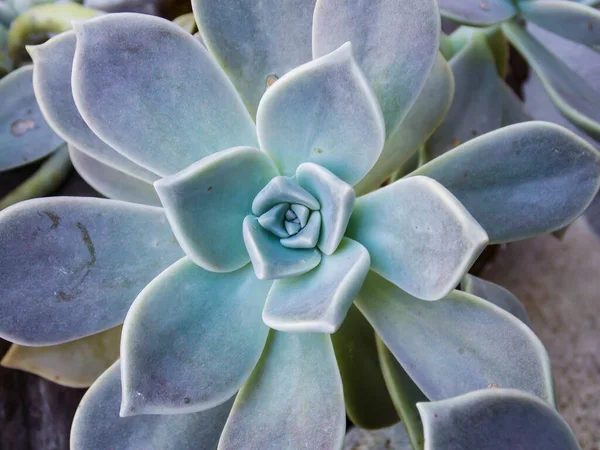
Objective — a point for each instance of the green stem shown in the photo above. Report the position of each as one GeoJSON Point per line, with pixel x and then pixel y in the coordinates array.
{"type": "Point", "coordinates": [51, 174]}
{"type": "Point", "coordinates": [44, 19]}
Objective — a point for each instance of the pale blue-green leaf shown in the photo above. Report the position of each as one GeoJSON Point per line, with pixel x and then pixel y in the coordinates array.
{"type": "Point", "coordinates": [74, 364]}
{"type": "Point", "coordinates": [282, 190]}
{"type": "Point", "coordinates": [323, 112]}
{"type": "Point", "coordinates": [302, 213]}
{"type": "Point", "coordinates": [98, 426]}
{"type": "Point", "coordinates": [53, 63]}
{"type": "Point", "coordinates": [574, 21]}
{"type": "Point", "coordinates": [270, 259]}
{"type": "Point", "coordinates": [395, 44]}
{"type": "Point", "coordinates": [24, 134]}
{"type": "Point", "coordinates": [71, 267]}
{"type": "Point", "coordinates": [458, 344]}
{"type": "Point", "coordinates": [478, 12]}
{"type": "Point", "coordinates": [151, 91]}
{"type": "Point", "coordinates": [336, 199]}
{"type": "Point", "coordinates": [256, 42]}
{"type": "Point", "coordinates": [513, 109]}
{"type": "Point", "coordinates": [520, 181]}
{"type": "Point", "coordinates": [206, 204]}
{"type": "Point", "coordinates": [111, 182]}
{"type": "Point", "coordinates": [274, 218]}
{"type": "Point", "coordinates": [418, 235]}
{"type": "Point", "coordinates": [191, 339]}
{"type": "Point", "coordinates": [292, 228]}
{"type": "Point", "coordinates": [367, 400]}
{"type": "Point", "coordinates": [495, 294]}
{"type": "Point", "coordinates": [308, 236]}
{"type": "Point", "coordinates": [495, 419]}
{"type": "Point", "coordinates": [422, 119]}
{"type": "Point", "coordinates": [405, 394]}
{"type": "Point", "coordinates": [571, 94]}
{"type": "Point", "coordinates": [317, 301]}
{"type": "Point", "coordinates": [477, 105]}
{"type": "Point", "coordinates": [293, 399]}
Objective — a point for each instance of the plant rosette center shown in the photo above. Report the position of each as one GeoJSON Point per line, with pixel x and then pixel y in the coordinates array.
{"type": "Point", "coordinates": [295, 219]}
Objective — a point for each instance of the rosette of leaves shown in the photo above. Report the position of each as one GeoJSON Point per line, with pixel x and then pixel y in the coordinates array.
{"type": "Point", "coordinates": [576, 20]}
{"type": "Point", "coordinates": [229, 293]}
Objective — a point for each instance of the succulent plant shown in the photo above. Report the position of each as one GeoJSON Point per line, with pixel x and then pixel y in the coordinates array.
{"type": "Point", "coordinates": [576, 20]}
{"type": "Point", "coordinates": [293, 113]}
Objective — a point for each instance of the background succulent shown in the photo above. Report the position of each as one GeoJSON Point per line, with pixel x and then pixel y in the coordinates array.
{"type": "Point", "coordinates": [168, 112]}
{"type": "Point", "coordinates": [575, 20]}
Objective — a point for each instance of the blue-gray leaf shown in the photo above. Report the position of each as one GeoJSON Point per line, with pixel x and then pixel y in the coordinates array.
{"type": "Point", "coordinates": [71, 267]}
{"type": "Point", "coordinates": [196, 334]}
{"type": "Point", "coordinates": [97, 424]}
{"type": "Point", "coordinates": [522, 180]}
{"type": "Point", "coordinates": [24, 134]}
{"type": "Point", "coordinates": [495, 419]}
{"type": "Point", "coordinates": [129, 66]}
{"type": "Point", "coordinates": [458, 344]}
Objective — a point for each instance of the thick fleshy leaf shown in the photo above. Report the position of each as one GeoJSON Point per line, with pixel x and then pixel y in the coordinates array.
{"type": "Point", "coordinates": [282, 190]}
{"type": "Point", "coordinates": [336, 199]}
{"type": "Point", "coordinates": [191, 339]}
{"type": "Point", "coordinates": [367, 400]}
{"type": "Point", "coordinates": [323, 112]}
{"type": "Point", "coordinates": [495, 294]}
{"type": "Point", "coordinates": [478, 12]}
{"type": "Point", "coordinates": [206, 204]}
{"type": "Point", "coordinates": [513, 109]}
{"type": "Point", "coordinates": [477, 105]}
{"type": "Point", "coordinates": [422, 119]}
{"type": "Point", "coordinates": [495, 419]}
{"type": "Point", "coordinates": [575, 21]}
{"type": "Point", "coordinates": [308, 236]}
{"type": "Point", "coordinates": [53, 63]}
{"type": "Point", "coordinates": [405, 394]}
{"type": "Point", "coordinates": [395, 43]}
{"type": "Point", "coordinates": [152, 92]}
{"type": "Point", "coordinates": [274, 218]}
{"type": "Point", "coordinates": [292, 400]}
{"type": "Point", "coordinates": [571, 94]}
{"type": "Point", "coordinates": [494, 39]}
{"type": "Point", "coordinates": [97, 424]}
{"type": "Point", "coordinates": [418, 235]}
{"type": "Point", "coordinates": [111, 182]}
{"type": "Point", "coordinates": [458, 344]}
{"type": "Point", "coordinates": [256, 42]}
{"type": "Point", "coordinates": [75, 364]}
{"type": "Point", "coordinates": [520, 181]}
{"type": "Point", "coordinates": [24, 134]}
{"type": "Point", "coordinates": [71, 267]}
{"type": "Point", "coordinates": [270, 259]}
{"type": "Point", "coordinates": [317, 301]}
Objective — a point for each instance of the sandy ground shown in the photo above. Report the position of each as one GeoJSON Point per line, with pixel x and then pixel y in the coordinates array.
{"type": "Point", "coordinates": [559, 284]}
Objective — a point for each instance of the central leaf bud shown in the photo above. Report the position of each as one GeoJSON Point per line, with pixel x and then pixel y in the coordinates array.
{"type": "Point", "coordinates": [293, 214]}
{"type": "Point", "coordinates": [296, 220]}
